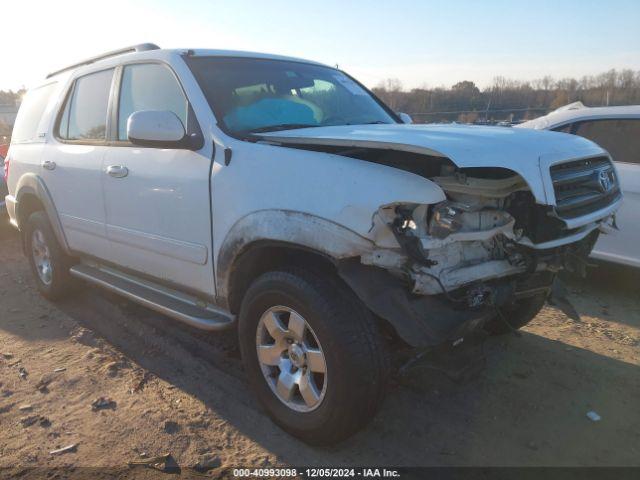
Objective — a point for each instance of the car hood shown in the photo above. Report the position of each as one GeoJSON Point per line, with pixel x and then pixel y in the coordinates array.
{"type": "Point", "coordinates": [526, 152]}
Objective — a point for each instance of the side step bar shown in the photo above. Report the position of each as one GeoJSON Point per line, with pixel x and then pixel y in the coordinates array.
{"type": "Point", "coordinates": [172, 303]}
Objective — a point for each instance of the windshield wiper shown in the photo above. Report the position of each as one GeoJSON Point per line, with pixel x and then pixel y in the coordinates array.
{"type": "Point", "coordinates": [282, 126]}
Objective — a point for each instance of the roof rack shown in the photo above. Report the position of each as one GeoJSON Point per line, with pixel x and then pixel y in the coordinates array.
{"type": "Point", "coordinates": [142, 47]}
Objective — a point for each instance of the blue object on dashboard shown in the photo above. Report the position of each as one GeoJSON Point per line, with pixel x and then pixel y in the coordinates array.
{"type": "Point", "coordinates": [269, 111]}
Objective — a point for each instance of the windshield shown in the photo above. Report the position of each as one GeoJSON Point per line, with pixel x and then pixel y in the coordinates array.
{"type": "Point", "coordinates": [250, 95]}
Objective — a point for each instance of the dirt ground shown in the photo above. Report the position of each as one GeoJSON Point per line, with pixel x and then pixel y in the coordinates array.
{"type": "Point", "coordinates": [179, 391]}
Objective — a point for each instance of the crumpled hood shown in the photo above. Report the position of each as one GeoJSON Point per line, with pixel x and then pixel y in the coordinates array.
{"type": "Point", "coordinates": [527, 152]}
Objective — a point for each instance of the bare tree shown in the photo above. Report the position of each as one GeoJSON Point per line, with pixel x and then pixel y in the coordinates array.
{"type": "Point", "coordinates": [507, 98]}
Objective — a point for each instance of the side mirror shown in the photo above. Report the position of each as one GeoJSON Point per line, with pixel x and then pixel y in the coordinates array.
{"type": "Point", "coordinates": [156, 128]}
{"type": "Point", "coordinates": [405, 117]}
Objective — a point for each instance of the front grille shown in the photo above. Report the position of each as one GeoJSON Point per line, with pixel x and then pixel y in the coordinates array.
{"type": "Point", "coordinates": [584, 186]}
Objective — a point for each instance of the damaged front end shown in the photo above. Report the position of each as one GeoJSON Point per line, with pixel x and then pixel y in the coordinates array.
{"type": "Point", "coordinates": [488, 246]}
{"type": "Point", "coordinates": [518, 207]}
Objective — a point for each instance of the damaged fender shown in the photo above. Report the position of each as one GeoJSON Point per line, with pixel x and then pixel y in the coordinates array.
{"type": "Point", "coordinates": [297, 228]}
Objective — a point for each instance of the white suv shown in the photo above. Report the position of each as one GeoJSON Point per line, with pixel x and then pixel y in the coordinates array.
{"type": "Point", "coordinates": [280, 197]}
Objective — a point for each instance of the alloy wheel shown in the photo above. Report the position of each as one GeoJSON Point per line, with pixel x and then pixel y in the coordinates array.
{"type": "Point", "coordinates": [291, 359]}
{"type": "Point", "coordinates": [41, 257]}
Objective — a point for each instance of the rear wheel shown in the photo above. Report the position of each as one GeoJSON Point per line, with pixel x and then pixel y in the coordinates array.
{"type": "Point", "coordinates": [313, 355]}
{"type": "Point", "coordinates": [516, 315]}
{"type": "Point", "coordinates": [49, 264]}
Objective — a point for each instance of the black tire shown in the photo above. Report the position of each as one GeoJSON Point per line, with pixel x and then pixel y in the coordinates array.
{"type": "Point", "coordinates": [61, 282]}
{"type": "Point", "coordinates": [518, 314]}
{"type": "Point", "coordinates": [355, 353]}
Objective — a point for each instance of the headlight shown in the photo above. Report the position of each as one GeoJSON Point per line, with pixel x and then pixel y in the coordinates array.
{"type": "Point", "coordinates": [445, 220]}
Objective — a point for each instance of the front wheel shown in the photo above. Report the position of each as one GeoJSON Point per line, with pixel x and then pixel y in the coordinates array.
{"type": "Point", "coordinates": [313, 355]}
{"type": "Point", "coordinates": [516, 315]}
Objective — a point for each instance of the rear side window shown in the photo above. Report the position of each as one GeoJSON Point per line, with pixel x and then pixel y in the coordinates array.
{"type": "Point", "coordinates": [149, 86]}
{"type": "Point", "coordinates": [30, 113]}
{"type": "Point", "coordinates": [620, 137]}
{"type": "Point", "coordinates": [85, 113]}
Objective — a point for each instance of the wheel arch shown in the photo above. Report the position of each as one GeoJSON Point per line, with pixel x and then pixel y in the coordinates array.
{"type": "Point", "coordinates": [32, 195]}
{"type": "Point", "coordinates": [268, 238]}
{"type": "Point", "coordinates": [266, 255]}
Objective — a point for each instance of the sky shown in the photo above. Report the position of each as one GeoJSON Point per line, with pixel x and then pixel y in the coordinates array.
{"type": "Point", "coordinates": [420, 42]}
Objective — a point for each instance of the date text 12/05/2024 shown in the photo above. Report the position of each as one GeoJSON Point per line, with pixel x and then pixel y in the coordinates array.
{"type": "Point", "coordinates": [318, 472]}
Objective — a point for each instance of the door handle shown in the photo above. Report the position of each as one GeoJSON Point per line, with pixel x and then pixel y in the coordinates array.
{"type": "Point", "coordinates": [117, 171]}
{"type": "Point", "coordinates": [49, 165]}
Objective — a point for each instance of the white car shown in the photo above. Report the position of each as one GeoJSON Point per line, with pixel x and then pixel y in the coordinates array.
{"type": "Point", "coordinates": [617, 130]}
{"type": "Point", "coordinates": [280, 197]}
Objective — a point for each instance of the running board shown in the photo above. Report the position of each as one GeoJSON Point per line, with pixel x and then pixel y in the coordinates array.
{"type": "Point", "coordinates": [172, 303]}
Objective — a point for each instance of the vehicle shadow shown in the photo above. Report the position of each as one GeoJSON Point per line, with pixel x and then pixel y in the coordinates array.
{"type": "Point", "coordinates": [6, 229]}
{"type": "Point", "coordinates": [614, 277]}
{"type": "Point", "coordinates": [527, 406]}
{"type": "Point", "coordinates": [610, 291]}
{"type": "Point", "coordinates": [23, 312]}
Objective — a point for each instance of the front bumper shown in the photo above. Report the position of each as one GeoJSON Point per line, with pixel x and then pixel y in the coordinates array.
{"type": "Point", "coordinates": [430, 320]}
{"type": "Point", "coordinates": [593, 217]}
